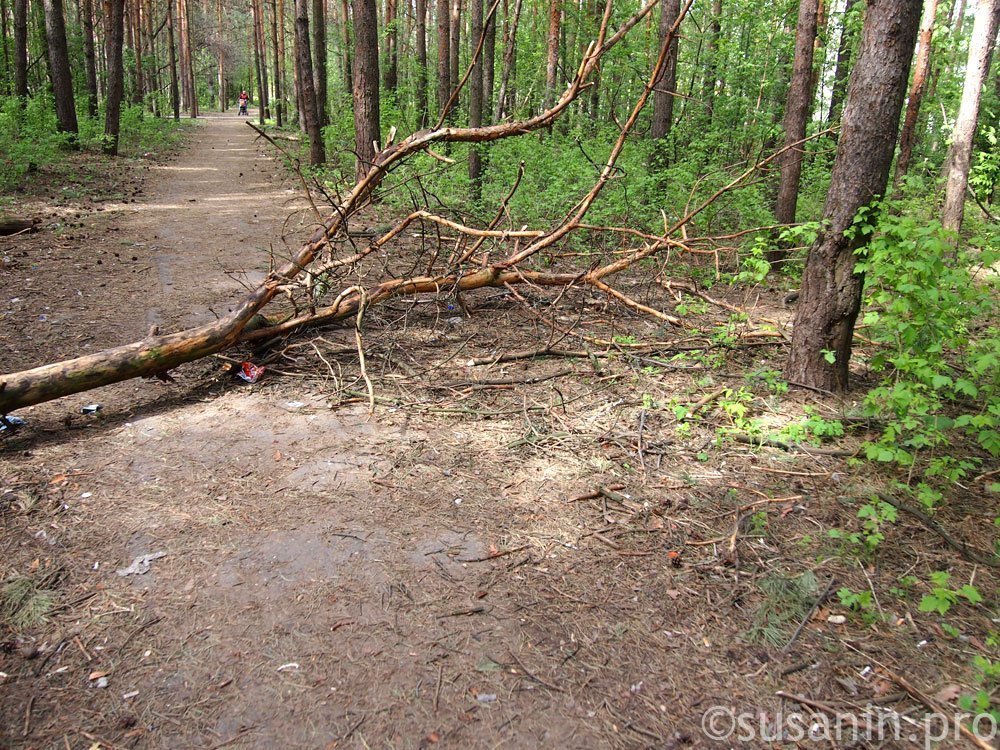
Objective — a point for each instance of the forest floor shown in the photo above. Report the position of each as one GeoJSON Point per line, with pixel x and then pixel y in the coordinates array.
{"type": "Point", "coordinates": [535, 553]}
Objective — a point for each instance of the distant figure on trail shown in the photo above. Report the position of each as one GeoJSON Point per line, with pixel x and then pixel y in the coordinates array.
{"type": "Point", "coordinates": [244, 101]}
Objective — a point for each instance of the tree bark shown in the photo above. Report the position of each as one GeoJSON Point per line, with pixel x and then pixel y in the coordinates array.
{"type": "Point", "coordinates": [59, 68]}
{"type": "Point", "coordinates": [259, 61]}
{"type": "Point", "coordinates": [90, 57]}
{"type": "Point", "coordinates": [663, 96]}
{"type": "Point", "coordinates": [114, 11]}
{"type": "Point", "coordinates": [319, 61]}
{"type": "Point", "coordinates": [348, 45]}
{"type": "Point", "coordinates": [959, 160]}
{"type": "Point", "coordinates": [842, 71]}
{"type": "Point", "coordinates": [552, 51]}
{"type": "Point", "coordinates": [279, 85]}
{"type": "Point", "coordinates": [476, 104]}
{"type": "Point", "coordinates": [21, 49]}
{"type": "Point", "coordinates": [307, 89]}
{"type": "Point", "coordinates": [175, 96]}
{"type": "Point", "coordinates": [797, 108]}
{"type": "Point", "coordinates": [135, 29]}
{"type": "Point", "coordinates": [187, 54]}
{"type": "Point", "coordinates": [421, 49]}
{"type": "Point", "coordinates": [830, 297]}
{"type": "Point", "coordinates": [922, 66]}
{"type": "Point", "coordinates": [454, 42]}
{"type": "Point", "coordinates": [489, 64]}
{"type": "Point", "coordinates": [223, 98]}
{"type": "Point", "coordinates": [265, 88]}
{"type": "Point", "coordinates": [367, 131]}
{"type": "Point", "coordinates": [444, 54]}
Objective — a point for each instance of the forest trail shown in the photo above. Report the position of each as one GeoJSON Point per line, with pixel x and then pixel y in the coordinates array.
{"type": "Point", "coordinates": [213, 213]}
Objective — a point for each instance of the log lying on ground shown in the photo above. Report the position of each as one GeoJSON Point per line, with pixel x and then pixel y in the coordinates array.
{"type": "Point", "coordinates": [157, 354]}
{"type": "Point", "coordinates": [9, 226]}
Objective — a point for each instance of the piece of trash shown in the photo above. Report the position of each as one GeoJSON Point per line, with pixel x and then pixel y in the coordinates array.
{"type": "Point", "coordinates": [863, 674]}
{"type": "Point", "coordinates": [487, 698]}
{"type": "Point", "coordinates": [85, 495]}
{"type": "Point", "coordinates": [130, 696]}
{"type": "Point", "coordinates": [141, 564]}
{"type": "Point", "coordinates": [90, 409]}
{"type": "Point", "coordinates": [295, 404]}
{"type": "Point", "coordinates": [11, 423]}
{"type": "Point", "coordinates": [286, 667]}
{"type": "Point", "coordinates": [836, 619]}
{"type": "Point", "coordinates": [43, 318]}
{"type": "Point", "coordinates": [251, 372]}
{"type": "Point", "coordinates": [457, 501]}
{"type": "Point", "coordinates": [101, 682]}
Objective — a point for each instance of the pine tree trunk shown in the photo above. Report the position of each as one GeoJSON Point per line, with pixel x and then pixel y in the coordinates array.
{"type": "Point", "coordinates": [922, 66]}
{"type": "Point", "coordinates": [223, 99]}
{"type": "Point", "coordinates": [135, 29]}
{"type": "Point", "coordinates": [175, 96]}
{"type": "Point", "coordinates": [153, 77]}
{"type": "Point", "coordinates": [421, 48]}
{"type": "Point", "coordinates": [797, 109]}
{"type": "Point", "coordinates": [552, 52]}
{"type": "Point", "coordinates": [59, 68]}
{"type": "Point", "coordinates": [663, 96]}
{"type": "Point", "coordinates": [21, 48]}
{"type": "Point", "coordinates": [306, 87]}
{"type": "Point", "coordinates": [258, 63]}
{"type": "Point", "coordinates": [366, 82]}
{"type": "Point", "coordinates": [348, 46]}
{"type": "Point", "coordinates": [265, 89]}
{"type": "Point", "coordinates": [115, 20]}
{"type": "Point", "coordinates": [830, 297]}
{"type": "Point", "coordinates": [279, 85]}
{"type": "Point", "coordinates": [476, 104]}
{"type": "Point", "coordinates": [489, 65]}
{"type": "Point", "coordinates": [319, 61]}
{"type": "Point", "coordinates": [90, 58]}
{"type": "Point", "coordinates": [444, 53]}
{"type": "Point", "coordinates": [958, 163]}
{"type": "Point", "coordinates": [454, 44]}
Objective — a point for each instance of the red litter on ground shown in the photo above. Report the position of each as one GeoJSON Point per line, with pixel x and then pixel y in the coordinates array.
{"type": "Point", "coordinates": [251, 372]}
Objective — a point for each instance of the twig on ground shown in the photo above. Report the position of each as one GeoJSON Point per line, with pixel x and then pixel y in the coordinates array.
{"type": "Point", "coordinates": [819, 600]}
{"type": "Point", "coordinates": [962, 548]}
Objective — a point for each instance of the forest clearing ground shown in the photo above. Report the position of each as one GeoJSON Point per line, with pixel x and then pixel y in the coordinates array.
{"type": "Point", "coordinates": [442, 572]}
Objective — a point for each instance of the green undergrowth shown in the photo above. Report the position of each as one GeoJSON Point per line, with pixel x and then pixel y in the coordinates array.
{"type": "Point", "coordinates": [30, 141]}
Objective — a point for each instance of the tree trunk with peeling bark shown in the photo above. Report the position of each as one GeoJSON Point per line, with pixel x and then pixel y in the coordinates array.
{"type": "Point", "coordinates": [908, 136]}
{"type": "Point", "coordinates": [830, 297]}
{"type": "Point", "coordinates": [367, 129]}
{"type": "Point", "coordinates": [797, 109]}
{"type": "Point", "coordinates": [959, 161]}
